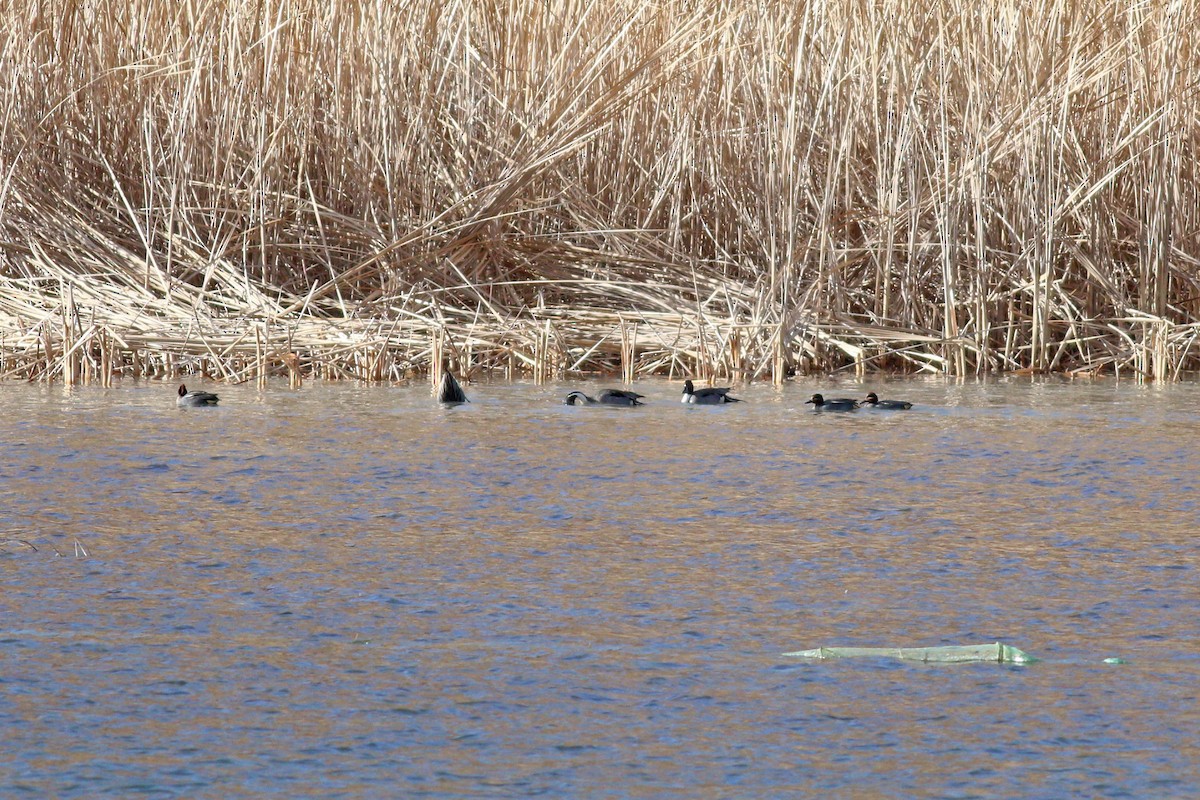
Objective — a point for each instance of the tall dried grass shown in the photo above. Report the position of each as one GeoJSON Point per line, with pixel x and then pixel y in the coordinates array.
{"type": "Point", "coordinates": [717, 187]}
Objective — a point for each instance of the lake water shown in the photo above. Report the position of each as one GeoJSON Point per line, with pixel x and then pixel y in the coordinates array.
{"type": "Point", "coordinates": [349, 591]}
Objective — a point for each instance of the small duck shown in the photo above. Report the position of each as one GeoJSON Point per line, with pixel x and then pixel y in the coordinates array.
{"type": "Point", "coordinates": [706, 397]}
{"type": "Point", "coordinates": [450, 391]}
{"type": "Point", "coordinates": [873, 401]}
{"type": "Point", "coordinates": [609, 397]}
{"type": "Point", "coordinates": [188, 399]}
{"type": "Point", "coordinates": [819, 403]}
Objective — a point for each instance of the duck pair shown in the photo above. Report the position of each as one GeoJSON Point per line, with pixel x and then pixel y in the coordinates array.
{"type": "Point", "coordinates": [451, 393]}
{"type": "Point", "coordinates": [820, 403]}
{"type": "Point", "coordinates": [617, 397]}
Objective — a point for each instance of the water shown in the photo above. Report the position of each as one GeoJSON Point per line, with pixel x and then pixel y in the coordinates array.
{"type": "Point", "coordinates": [349, 591]}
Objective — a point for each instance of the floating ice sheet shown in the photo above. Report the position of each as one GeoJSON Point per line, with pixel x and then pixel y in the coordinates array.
{"type": "Point", "coordinates": [949, 654]}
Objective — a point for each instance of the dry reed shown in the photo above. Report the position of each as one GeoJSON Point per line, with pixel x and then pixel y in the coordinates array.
{"type": "Point", "coordinates": [710, 187]}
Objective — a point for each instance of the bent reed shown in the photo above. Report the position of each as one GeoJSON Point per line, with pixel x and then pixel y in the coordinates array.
{"type": "Point", "coordinates": [713, 188]}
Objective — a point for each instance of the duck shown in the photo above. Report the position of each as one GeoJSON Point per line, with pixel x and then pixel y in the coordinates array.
{"type": "Point", "coordinates": [706, 397]}
{"type": "Point", "coordinates": [873, 401]}
{"type": "Point", "coordinates": [819, 403]}
{"type": "Point", "coordinates": [608, 397]}
{"type": "Point", "coordinates": [188, 399]}
{"type": "Point", "coordinates": [451, 392]}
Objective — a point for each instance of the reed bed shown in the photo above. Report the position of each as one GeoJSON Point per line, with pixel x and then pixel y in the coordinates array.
{"type": "Point", "coordinates": [717, 188]}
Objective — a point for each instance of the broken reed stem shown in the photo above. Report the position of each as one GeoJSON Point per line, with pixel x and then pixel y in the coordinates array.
{"type": "Point", "coordinates": [628, 352]}
{"type": "Point", "coordinates": [260, 367]}
{"type": "Point", "coordinates": [437, 359]}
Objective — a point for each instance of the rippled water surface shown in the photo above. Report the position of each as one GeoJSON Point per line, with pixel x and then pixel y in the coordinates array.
{"type": "Point", "coordinates": [349, 591]}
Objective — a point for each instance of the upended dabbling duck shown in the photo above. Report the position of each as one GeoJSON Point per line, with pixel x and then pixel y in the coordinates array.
{"type": "Point", "coordinates": [608, 397]}
{"type": "Point", "coordinates": [197, 399]}
{"type": "Point", "coordinates": [873, 401]}
{"type": "Point", "coordinates": [819, 403]}
{"type": "Point", "coordinates": [450, 391]}
{"type": "Point", "coordinates": [706, 397]}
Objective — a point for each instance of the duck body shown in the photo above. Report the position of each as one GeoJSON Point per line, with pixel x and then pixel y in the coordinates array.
{"type": "Point", "coordinates": [706, 397]}
{"type": "Point", "coordinates": [608, 397]}
{"type": "Point", "coordinates": [620, 397]}
{"type": "Point", "coordinates": [819, 403]}
{"type": "Point", "coordinates": [450, 391]}
{"type": "Point", "coordinates": [873, 401]}
{"type": "Point", "coordinates": [188, 399]}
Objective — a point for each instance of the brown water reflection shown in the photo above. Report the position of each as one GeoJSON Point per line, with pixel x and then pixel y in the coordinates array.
{"type": "Point", "coordinates": [349, 591]}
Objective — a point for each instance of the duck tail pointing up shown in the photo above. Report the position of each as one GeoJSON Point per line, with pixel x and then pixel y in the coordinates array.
{"type": "Point", "coordinates": [450, 391]}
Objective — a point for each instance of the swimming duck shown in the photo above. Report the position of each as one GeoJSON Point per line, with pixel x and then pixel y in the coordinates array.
{"type": "Point", "coordinates": [832, 404]}
{"type": "Point", "coordinates": [195, 399]}
{"type": "Point", "coordinates": [609, 397]}
{"type": "Point", "coordinates": [450, 392]}
{"type": "Point", "coordinates": [873, 401]}
{"type": "Point", "coordinates": [706, 397]}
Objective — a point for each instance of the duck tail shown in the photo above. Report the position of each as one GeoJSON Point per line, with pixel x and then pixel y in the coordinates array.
{"type": "Point", "coordinates": [451, 391]}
